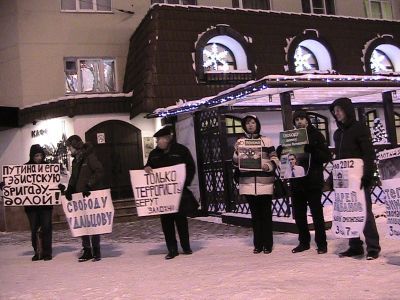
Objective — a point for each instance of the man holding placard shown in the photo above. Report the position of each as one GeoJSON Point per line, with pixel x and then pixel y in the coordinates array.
{"type": "Point", "coordinates": [87, 174]}
{"type": "Point", "coordinates": [169, 153]}
{"type": "Point", "coordinates": [353, 142]}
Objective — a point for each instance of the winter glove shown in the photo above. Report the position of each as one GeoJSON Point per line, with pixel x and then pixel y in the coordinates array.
{"type": "Point", "coordinates": [279, 151]}
{"type": "Point", "coordinates": [2, 184]}
{"type": "Point", "coordinates": [61, 187]}
{"type": "Point", "coordinates": [86, 191]}
{"type": "Point", "coordinates": [366, 182]}
{"type": "Point", "coordinates": [68, 194]}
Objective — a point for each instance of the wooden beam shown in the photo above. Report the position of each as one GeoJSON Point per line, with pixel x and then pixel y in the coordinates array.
{"type": "Point", "coordinates": [388, 109]}
{"type": "Point", "coordinates": [286, 106]}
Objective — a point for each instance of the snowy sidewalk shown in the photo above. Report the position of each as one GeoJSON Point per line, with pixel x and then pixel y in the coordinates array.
{"type": "Point", "coordinates": [222, 267]}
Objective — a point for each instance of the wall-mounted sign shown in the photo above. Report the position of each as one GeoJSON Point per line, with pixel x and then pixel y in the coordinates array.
{"type": "Point", "coordinates": [101, 138]}
{"type": "Point", "coordinates": [38, 132]}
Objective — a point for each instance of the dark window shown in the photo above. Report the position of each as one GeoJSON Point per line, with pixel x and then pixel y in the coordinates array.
{"type": "Point", "coordinates": [319, 6]}
{"type": "Point", "coordinates": [217, 57]}
{"type": "Point", "coordinates": [252, 4]}
{"type": "Point", "coordinates": [397, 125]}
{"type": "Point", "coordinates": [380, 62]}
{"type": "Point", "coordinates": [305, 60]}
{"type": "Point", "coordinates": [321, 123]}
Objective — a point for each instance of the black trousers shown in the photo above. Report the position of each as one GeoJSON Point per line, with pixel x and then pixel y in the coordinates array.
{"type": "Point", "coordinates": [370, 231]}
{"type": "Point", "coordinates": [261, 220]}
{"type": "Point", "coordinates": [41, 217]}
{"type": "Point", "coordinates": [95, 239]}
{"type": "Point", "coordinates": [300, 201]}
{"type": "Point", "coordinates": [168, 222]}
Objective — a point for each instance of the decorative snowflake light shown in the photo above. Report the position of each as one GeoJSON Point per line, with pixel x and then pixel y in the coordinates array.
{"type": "Point", "coordinates": [380, 62]}
{"type": "Point", "coordinates": [302, 60]}
{"type": "Point", "coordinates": [215, 58]}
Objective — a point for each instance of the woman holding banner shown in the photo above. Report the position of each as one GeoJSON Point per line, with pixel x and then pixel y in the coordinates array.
{"type": "Point", "coordinates": [40, 217]}
{"type": "Point", "coordinates": [255, 159]}
{"type": "Point", "coordinates": [169, 153]}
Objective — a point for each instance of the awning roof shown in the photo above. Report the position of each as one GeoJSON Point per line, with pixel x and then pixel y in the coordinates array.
{"type": "Point", "coordinates": [306, 89]}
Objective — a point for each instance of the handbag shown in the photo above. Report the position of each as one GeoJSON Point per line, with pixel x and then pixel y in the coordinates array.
{"type": "Point", "coordinates": [188, 204]}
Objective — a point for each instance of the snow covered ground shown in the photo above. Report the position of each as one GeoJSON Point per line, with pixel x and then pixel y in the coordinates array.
{"type": "Point", "coordinates": [220, 268]}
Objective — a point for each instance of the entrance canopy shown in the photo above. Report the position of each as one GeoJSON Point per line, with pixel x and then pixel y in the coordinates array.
{"type": "Point", "coordinates": [305, 90]}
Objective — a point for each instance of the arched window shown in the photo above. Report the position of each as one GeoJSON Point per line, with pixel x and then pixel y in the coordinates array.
{"type": "Point", "coordinates": [308, 53]}
{"type": "Point", "coordinates": [304, 60]}
{"type": "Point", "coordinates": [370, 117]}
{"type": "Point", "coordinates": [397, 125]}
{"type": "Point", "coordinates": [217, 57]}
{"type": "Point", "coordinates": [380, 62]}
{"type": "Point", "coordinates": [221, 56]}
{"type": "Point", "coordinates": [321, 123]}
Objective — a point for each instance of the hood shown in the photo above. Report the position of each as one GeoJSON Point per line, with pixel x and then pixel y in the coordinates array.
{"type": "Point", "coordinates": [35, 149]}
{"type": "Point", "coordinates": [347, 106]}
{"type": "Point", "coordinates": [254, 117]}
{"type": "Point", "coordinates": [302, 114]}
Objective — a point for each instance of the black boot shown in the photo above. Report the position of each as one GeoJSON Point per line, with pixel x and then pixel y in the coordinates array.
{"type": "Point", "coordinates": [87, 255]}
{"type": "Point", "coordinates": [351, 252]}
{"type": "Point", "coordinates": [96, 254]}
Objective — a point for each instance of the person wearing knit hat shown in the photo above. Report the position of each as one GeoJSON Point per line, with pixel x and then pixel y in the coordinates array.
{"type": "Point", "coordinates": [86, 175]}
{"type": "Point", "coordinates": [40, 217]}
{"type": "Point", "coordinates": [307, 190]}
{"type": "Point", "coordinates": [169, 153]}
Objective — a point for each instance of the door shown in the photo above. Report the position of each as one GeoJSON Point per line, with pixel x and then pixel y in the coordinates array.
{"type": "Point", "coordinates": [118, 145]}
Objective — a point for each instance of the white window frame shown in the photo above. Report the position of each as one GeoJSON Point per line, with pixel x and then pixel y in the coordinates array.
{"type": "Point", "coordinates": [324, 7]}
{"type": "Point", "coordinates": [368, 4]}
{"type": "Point", "coordinates": [321, 54]}
{"type": "Point", "coordinates": [78, 72]}
{"type": "Point", "coordinates": [94, 10]}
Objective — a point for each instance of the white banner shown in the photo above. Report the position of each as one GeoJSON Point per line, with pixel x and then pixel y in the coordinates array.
{"type": "Point", "coordinates": [349, 207]}
{"type": "Point", "coordinates": [33, 184]}
{"type": "Point", "coordinates": [158, 192]}
{"type": "Point", "coordinates": [389, 169]}
{"type": "Point", "coordinates": [89, 215]}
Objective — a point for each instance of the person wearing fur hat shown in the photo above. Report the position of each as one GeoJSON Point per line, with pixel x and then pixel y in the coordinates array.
{"type": "Point", "coordinates": [40, 216]}
{"type": "Point", "coordinates": [353, 140]}
{"type": "Point", "coordinates": [87, 174]}
{"type": "Point", "coordinates": [169, 153]}
{"type": "Point", "coordinates": [307, 191]}
{"type": "Point", "coordinates": [257, 186]}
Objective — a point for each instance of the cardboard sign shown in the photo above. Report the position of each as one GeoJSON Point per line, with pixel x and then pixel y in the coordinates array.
{"type": "Point", "coordinates": [349, 206]}
{"type": "Point", "coordinates": [33, 184]}
{"type": "Point", "coordinates": [158, 192]}
{"type": "Point", "coordinates": [294, 161]}
{"type": "Point", "coordinates": [89, 215]}
{"type": "Point", "coordinates": [389, 169]}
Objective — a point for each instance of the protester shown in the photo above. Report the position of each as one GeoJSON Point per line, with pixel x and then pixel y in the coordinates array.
{"type": "Point", "coordinates": [308, 190]}
{"type": "Point", "coordinates": [257, 186]}
{"type": "Point", "coordinates": [353, 140]}
{"type": "Point", "coordinates": [169, 153]}
{"type": "Point", "coordinates": [86, 176]}
{"type": "Point", "coordinates": [40, 217]}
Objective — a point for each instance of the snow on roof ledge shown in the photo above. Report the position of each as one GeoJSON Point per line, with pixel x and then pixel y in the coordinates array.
{"type": "Point", "coordinates": [81, 96]}
{"type": "Point", "coordinates": [307, 89]}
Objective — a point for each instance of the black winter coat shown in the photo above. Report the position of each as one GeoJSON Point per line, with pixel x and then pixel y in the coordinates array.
{"type": "Point", "coordinates": [320, 154]}
{"type": "Point", "coordinates": [177, 154]}
{"type": "Point", "coordinates": [353, 138]}
{"type": "Point", "coordinates": [87, 171]}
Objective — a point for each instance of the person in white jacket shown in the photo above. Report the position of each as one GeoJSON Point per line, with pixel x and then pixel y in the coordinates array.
{"type": "Point", "coordinates": [257, 185]}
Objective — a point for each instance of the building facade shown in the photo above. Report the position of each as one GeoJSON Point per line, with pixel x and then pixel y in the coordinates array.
{"type": "Point", "coordinates": [96, 68]}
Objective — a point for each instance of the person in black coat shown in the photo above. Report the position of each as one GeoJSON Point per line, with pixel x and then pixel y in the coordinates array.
{"type": "Point", "coordinates": [353, 140]}
{"type": "Point", "coordinates": [169, 153]}
{"type": "Point", "coordinates": [40, 216]}
{"type": "Point", "coordinates": [308, 190]}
